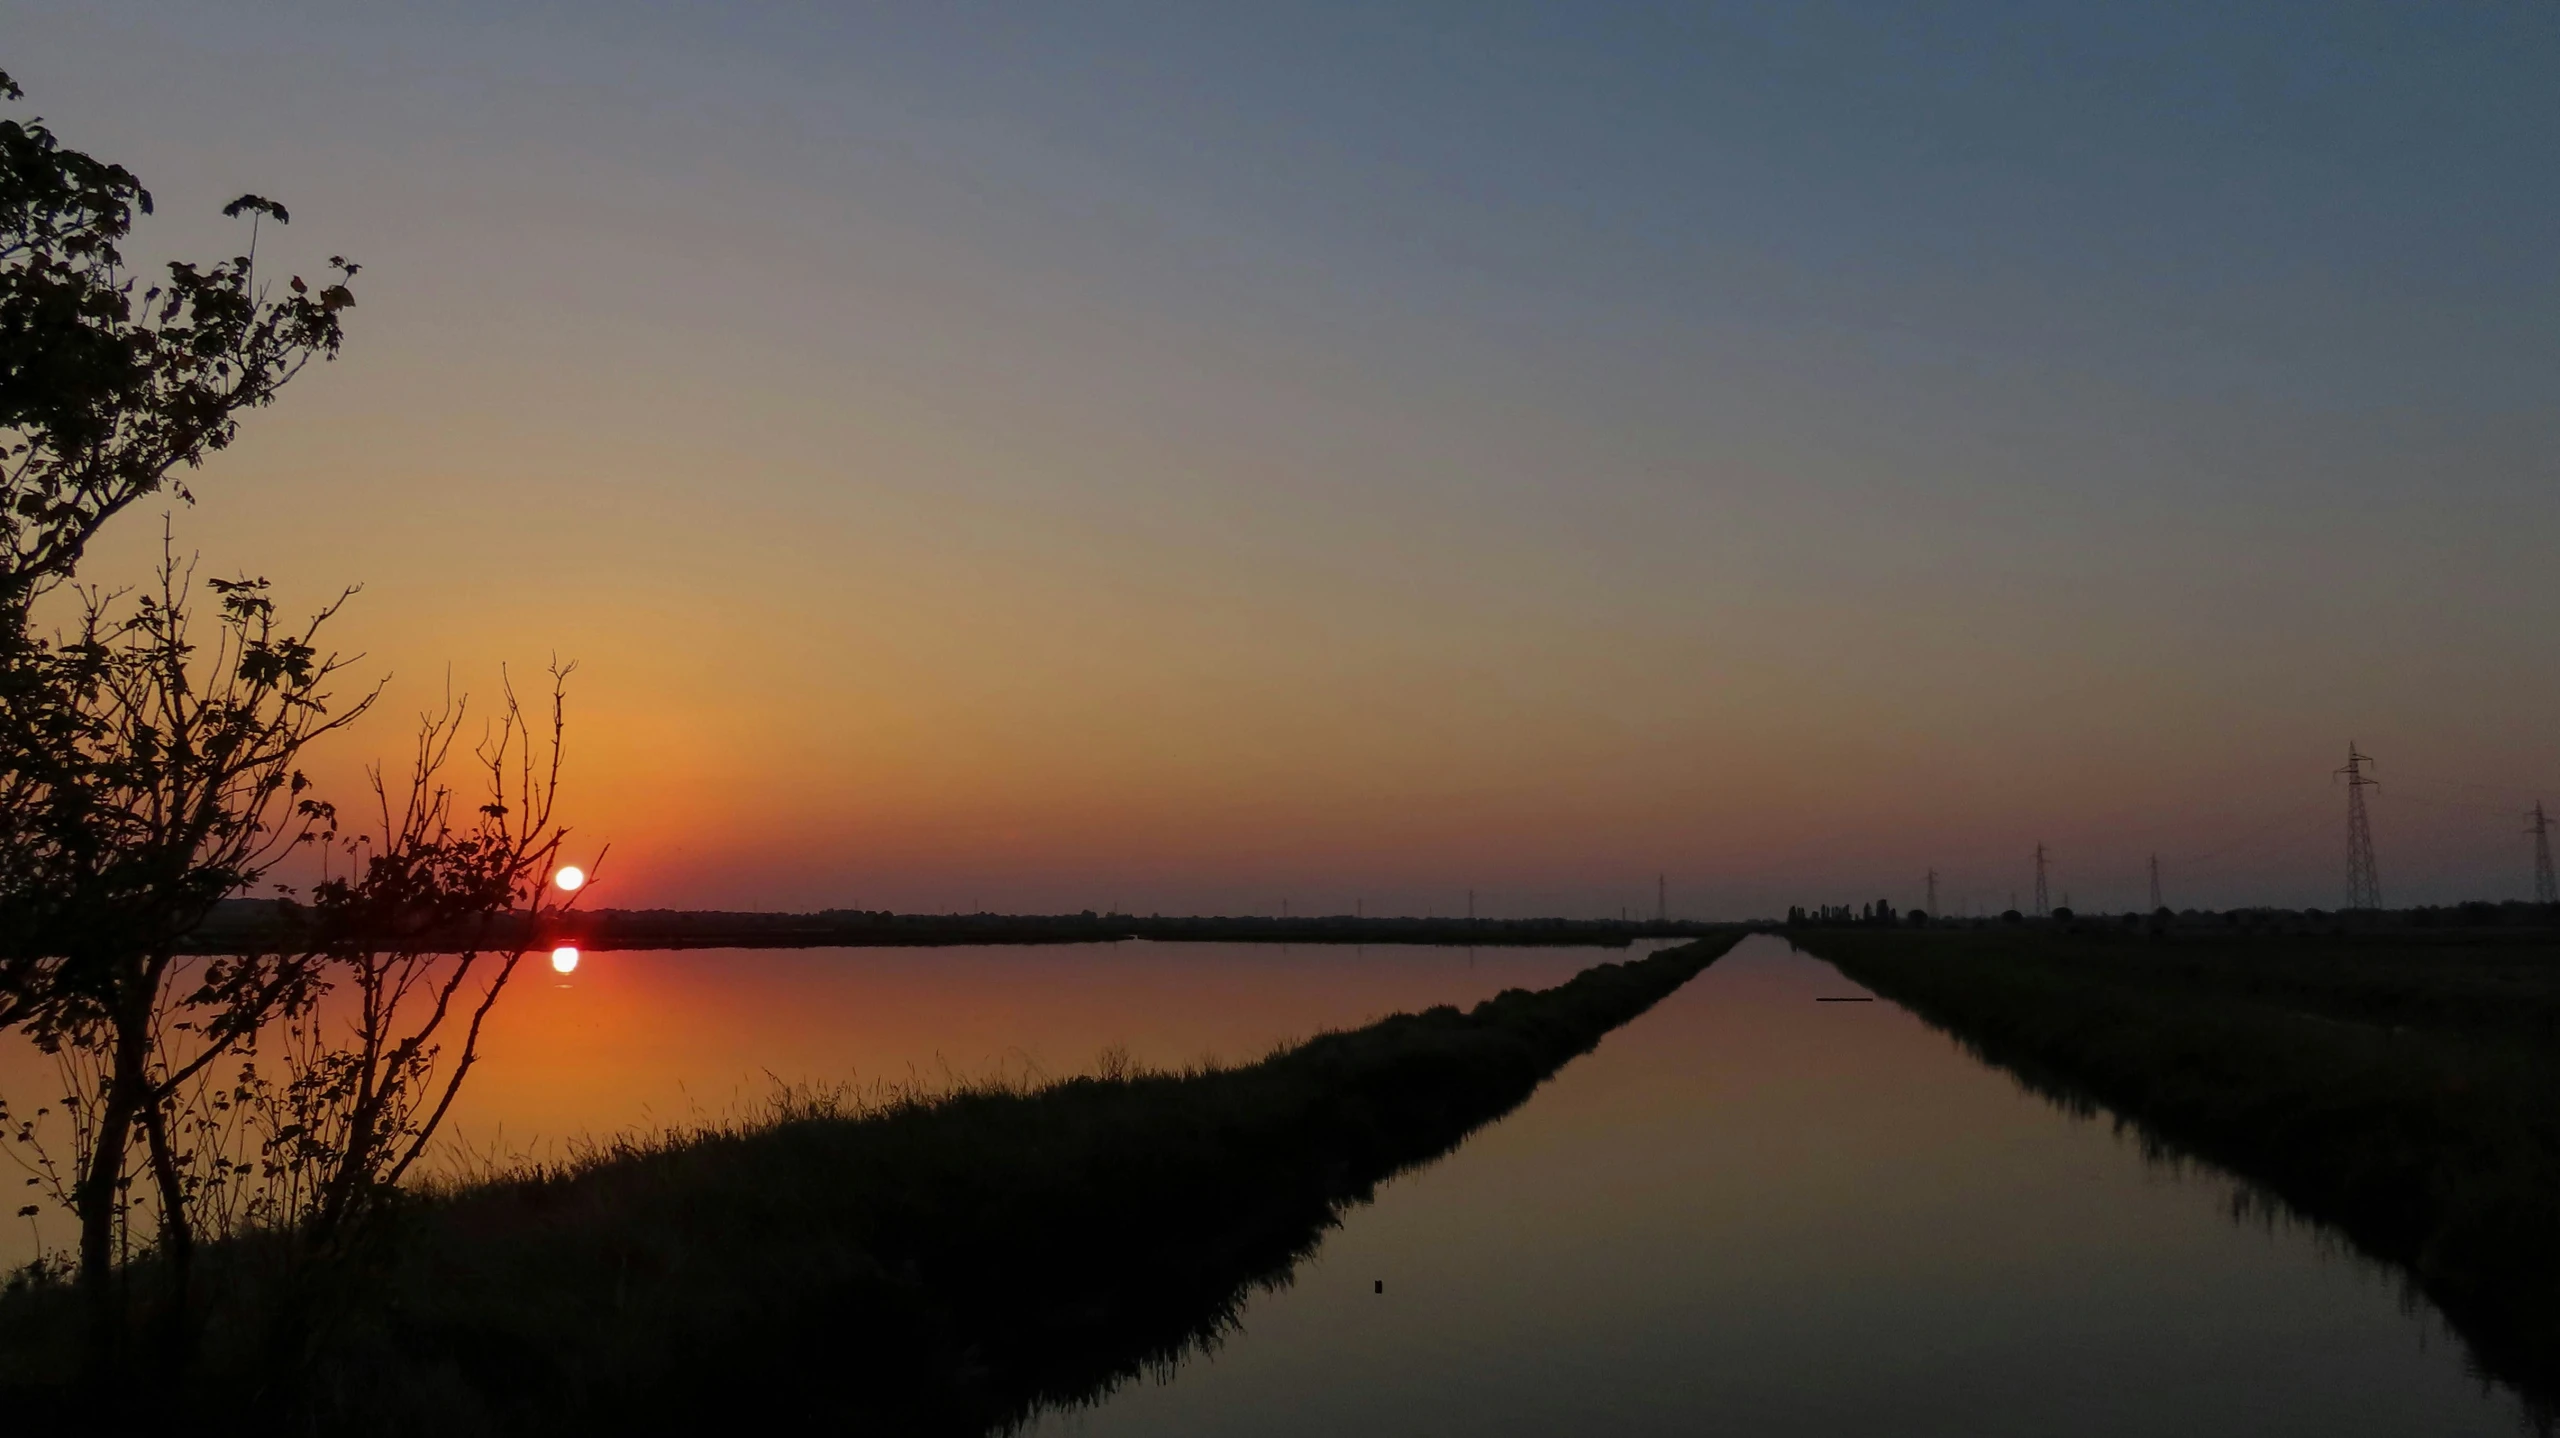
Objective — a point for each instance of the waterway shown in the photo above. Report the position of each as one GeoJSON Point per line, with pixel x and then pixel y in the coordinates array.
{"type": "Point", "coordinates": [1749, 1211]}
{"type": "Point", "coordinates": [1754, 1212]}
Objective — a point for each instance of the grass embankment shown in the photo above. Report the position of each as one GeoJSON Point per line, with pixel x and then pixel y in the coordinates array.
{"type": "Point", "coordinates": [2404, 1089]}
{"type": "Point", "coordinates": [932, 1267]}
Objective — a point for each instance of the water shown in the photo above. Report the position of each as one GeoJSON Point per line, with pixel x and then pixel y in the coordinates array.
{"type": "Point", "coordinates": [1749, 1212]}
{"type": "Point", "coordinates": [649, 1040]}
{"type": "Point", "coordinates": [1746, 1212]}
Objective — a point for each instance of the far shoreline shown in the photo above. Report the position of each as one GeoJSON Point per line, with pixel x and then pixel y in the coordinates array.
{"type": "Point", "coordinates": [244, 926]}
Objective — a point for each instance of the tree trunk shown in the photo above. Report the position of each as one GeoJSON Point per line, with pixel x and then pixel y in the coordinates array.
{"type": "Point", "coordinates": [96, 1197]}
{"type": "Point", "coordinates": [177, 1235]}
{"type": "Point", "coordinates": [99, 1197]}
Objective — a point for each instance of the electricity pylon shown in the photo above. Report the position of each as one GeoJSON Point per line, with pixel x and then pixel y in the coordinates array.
{"type": "Point", "coordinates": [2364, 886]}
{"type": "Point", "coordinates": [2545, 891]}
{"type": "Point", "coordinates": [2156, 905]}
{"type": "Point", "coordinates": [2044, 902]}
{"type": "Point", "coordinates": [1662, 898]}
{"type": "Point", "coordinates": [1933, 891]}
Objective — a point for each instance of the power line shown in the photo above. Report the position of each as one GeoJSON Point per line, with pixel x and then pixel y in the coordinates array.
{"type": "Point", "coordinates": [2364, 885]}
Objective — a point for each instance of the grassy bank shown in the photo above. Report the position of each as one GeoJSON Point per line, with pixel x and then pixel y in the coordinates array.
{"type": "Point", "coordinates": [2405, 1089]}
{"type": "Point", "coordinates": [928, 1267]}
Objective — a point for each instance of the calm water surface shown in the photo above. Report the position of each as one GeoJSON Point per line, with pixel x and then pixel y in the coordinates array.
{"type": "Point", "coordinates": [648, 1040]}
{"type": "Point", "coordinates": [657, 1038]}
{"type": "Point", "coordinates": [1752, 1213]}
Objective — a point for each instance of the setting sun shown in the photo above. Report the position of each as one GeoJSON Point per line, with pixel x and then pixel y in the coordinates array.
{"type": "Point", "coordinates": [570, 878]}
{"type": "Point", "coordinates": [564, 959]}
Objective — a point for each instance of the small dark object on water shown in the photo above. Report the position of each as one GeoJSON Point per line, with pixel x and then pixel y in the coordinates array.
{"type": "Point", "coordinates": [1381, 1288]}
{"type": "Point", "coordinates": [1845, 999]}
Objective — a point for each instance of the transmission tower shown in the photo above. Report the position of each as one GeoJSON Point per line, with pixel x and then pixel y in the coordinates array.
{"type": "Point", "coordinates": [1933, 891]}
{"type": "Point", "coordinates": [2044, 901]}
{"type": "Point", "coordinates": [1662, 898]}
{"type": "Point", "coordinates": [2545, 891]}
{"type": "Point", "coordinates": [2156, 905]}
{"type": "Point", "coordinates": [2364, 887]}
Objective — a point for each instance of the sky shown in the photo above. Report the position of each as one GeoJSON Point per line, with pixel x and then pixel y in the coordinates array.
{"type": "Point", "coordinates": [1178, 458]}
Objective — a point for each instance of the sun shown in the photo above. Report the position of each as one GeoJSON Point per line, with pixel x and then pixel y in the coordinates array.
{"type": "Point", "coordinates": [570, 878]}
{"type": "Point", "coordinates": [564, 959]}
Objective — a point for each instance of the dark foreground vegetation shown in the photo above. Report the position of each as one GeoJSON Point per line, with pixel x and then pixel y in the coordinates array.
{"type": "Point", "coordinates": [254, 924]}
{"type": "Point", "coordinates": [2403, 1087]}
{"type": "Point", "coordinates": [927, 1266]}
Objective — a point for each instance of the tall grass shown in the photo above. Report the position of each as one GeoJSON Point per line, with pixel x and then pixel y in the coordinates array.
{"type": "Point", "coordinates": [890, 1261]}
{"type": "Point", "coordinates": [2405, 1090]}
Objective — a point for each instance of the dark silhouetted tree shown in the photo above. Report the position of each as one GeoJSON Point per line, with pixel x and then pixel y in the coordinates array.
{"type": "Point", "coordinates": [142, 778]}
{"type": "Point", "coordinates": [150, 749]}
{"type": "Point", "coordinates": [106, 392]}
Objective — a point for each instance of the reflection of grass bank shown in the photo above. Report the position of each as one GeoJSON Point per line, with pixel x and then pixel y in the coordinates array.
{"type": "Point", "coordinates": [2405, 1090]}
{"type": "Point", "coordinates": [936, 1267]}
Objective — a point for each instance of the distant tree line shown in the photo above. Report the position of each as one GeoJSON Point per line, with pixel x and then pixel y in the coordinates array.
{"type": "Point", "coordinates": [1878, 914]}
{"type": "Point", "coordinates": [855, 928]}
{"type": "Point", "coordinates": [2512, 913]}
